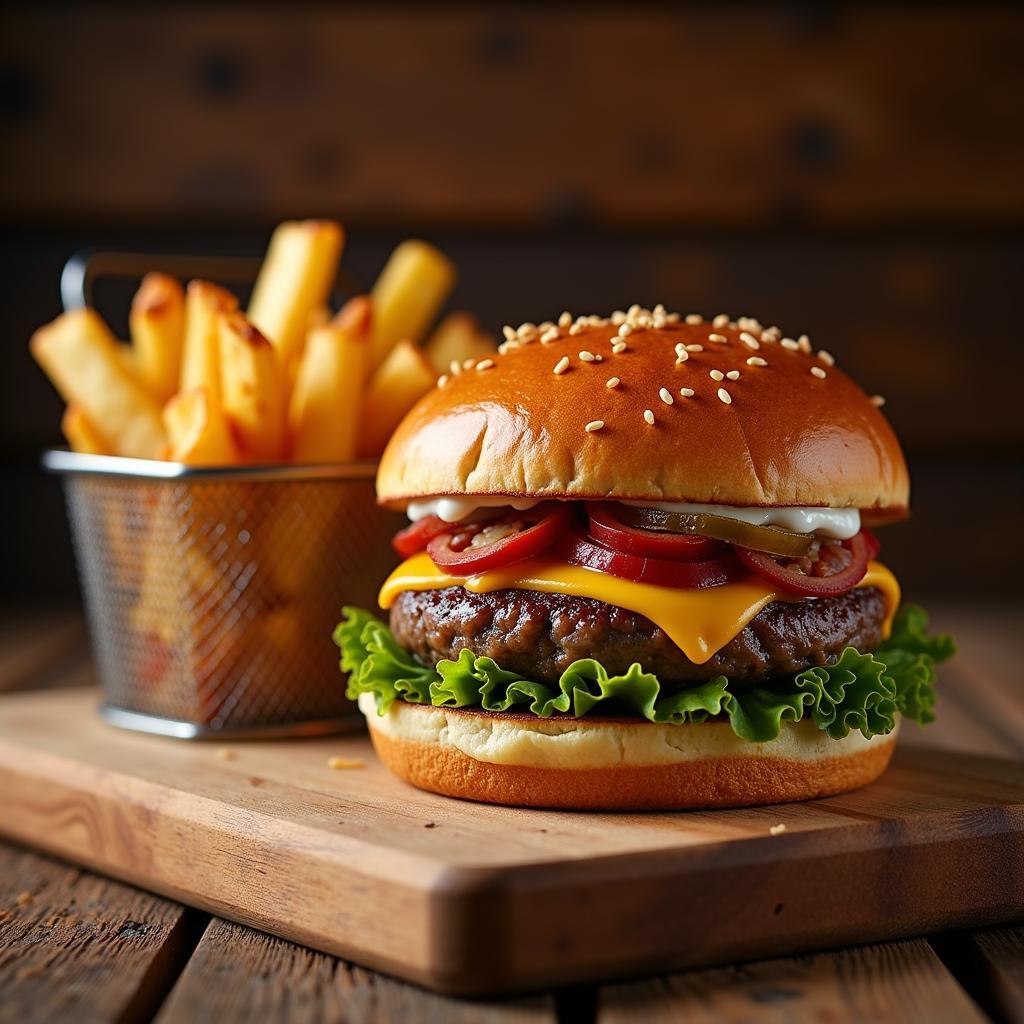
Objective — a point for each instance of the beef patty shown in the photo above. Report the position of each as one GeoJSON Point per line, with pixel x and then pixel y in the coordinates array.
{"type": "Point", "coordinates": [540, 634]}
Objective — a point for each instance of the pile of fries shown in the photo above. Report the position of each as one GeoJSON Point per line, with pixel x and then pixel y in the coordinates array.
{"type": "Point", "coordinates": [289, 380]}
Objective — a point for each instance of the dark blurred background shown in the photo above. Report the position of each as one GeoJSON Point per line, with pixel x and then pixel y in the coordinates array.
{"type": "Point", "coordinates": [855, 172]}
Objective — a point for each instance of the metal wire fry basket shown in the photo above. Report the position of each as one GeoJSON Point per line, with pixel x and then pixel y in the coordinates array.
{"type": "Point", "coordinates": [211, 594]}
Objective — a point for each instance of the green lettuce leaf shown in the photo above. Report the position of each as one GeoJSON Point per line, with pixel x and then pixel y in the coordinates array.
{"type": "Point", "coordinates": [861, 692]}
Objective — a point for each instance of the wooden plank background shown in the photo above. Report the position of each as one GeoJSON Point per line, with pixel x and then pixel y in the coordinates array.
{"type": "Point", "coordinates": [646, 114]}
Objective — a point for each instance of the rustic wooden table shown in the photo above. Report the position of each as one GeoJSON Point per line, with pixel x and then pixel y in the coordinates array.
{"type": "Point", "coordinates": [77, 947]}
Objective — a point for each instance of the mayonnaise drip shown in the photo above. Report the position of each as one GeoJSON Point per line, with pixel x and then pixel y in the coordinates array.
{"type": "Point", "coordinates": [838, 523]}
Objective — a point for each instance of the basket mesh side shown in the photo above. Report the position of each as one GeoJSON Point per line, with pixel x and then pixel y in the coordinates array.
{"type": "Point", "coordinates": [213, 601]}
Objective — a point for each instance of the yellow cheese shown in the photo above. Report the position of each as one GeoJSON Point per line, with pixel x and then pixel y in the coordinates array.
{"type": "Point", "coordinates": [699, 622]}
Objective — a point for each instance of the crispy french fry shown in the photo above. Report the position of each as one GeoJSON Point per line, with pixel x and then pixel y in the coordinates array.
{"type": "Point", "coordinates": [325, 406]}
{"type": "Point", "coordinates": [158, 327]}
{"type": "Point", "coordinates": [458, 337]}
{"type": "Point", "coordinates": [200, 357]}
{"type": "Point", "coordinates": [404, 377]}
{"type": "Point", "coordinates": [197, 430]}
{"type": "Point", "coordinates": [412, 287]}
{"type": "Point", "coordinates": [80, 356]}
{"type": "Point", "coordinates": [253, 392]}
{"type": "Point", "coordinates": [296, 277]}
{"type": "Point", "coordinates": [81, 434]}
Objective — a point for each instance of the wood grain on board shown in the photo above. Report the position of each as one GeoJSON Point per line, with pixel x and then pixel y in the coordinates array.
{"type": "Point", "coordinates": [899, 983]}
{"type": "Point", "coordinates": [75, 947]}
{"type": "Point", "coordinates": [470, 898]}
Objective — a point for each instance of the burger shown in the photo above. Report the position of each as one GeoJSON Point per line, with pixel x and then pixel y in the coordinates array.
{"type": "Point", "coordinates": [641, 574]}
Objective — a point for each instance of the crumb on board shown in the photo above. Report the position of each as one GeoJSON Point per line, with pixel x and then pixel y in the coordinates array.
{"type": "Point", "coordinates": [344, 762]}
{"type": "Point", "coordinates": [226, 755]}
{"type": "Point", "coordinates": [430, 824]}
{"type": "Point", "coordinates": [24, 898]}
{"type": "Point", "coordinates": [5, 915]}
{"type": "Point", "coordinates": [777, 830]}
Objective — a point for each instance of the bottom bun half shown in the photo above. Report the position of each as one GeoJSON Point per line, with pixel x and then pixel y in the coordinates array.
{"type": "Point", "coordinates": [615, 764]}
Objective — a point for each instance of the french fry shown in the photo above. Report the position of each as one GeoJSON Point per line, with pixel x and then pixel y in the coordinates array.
{"type": "Point", "coordinates": [157, 327]}
{"type": "Point", "coordinates": [296, 278]}
{"type": "Point", "coordinates": [253, 391]}
{"type": "Point", "coordinates": [81, 434]}
{"type": "Point", "coordinates": [197, 430]}
{"type": "Point", "coordinates": [200, 357]}
{"type": "Point", "coordinates": [412, 287]}
{"type": "Point", "coordinates": [402, 379]}
{"type": "Point", "coordinates": [80, 356]}
{"type": "Point", "coordinates": [458, 337]}
{"type": "Point", "coordinates": [324, 413]}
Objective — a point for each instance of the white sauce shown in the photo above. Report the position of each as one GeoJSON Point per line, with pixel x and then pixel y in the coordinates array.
{"type": "Point", "coordinates": [838, 523]}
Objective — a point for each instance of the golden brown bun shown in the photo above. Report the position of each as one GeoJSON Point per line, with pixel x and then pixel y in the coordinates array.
{"type": "Point", "coordinates": [696, 780]}
{"type": "Point", "coordinates": [787, 438]}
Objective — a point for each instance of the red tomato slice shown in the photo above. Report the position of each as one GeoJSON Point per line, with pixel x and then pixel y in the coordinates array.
{"type": "Point", "coordinates": [469, 549]}
{"type": "Point", "coordinates": [606, 527]}
{"type": "Point", "coordinates": [577, 549]}
{"type": "Point", "coordinates": [857, 552]}
{"type": "Point", "coordinates": [416, 535]}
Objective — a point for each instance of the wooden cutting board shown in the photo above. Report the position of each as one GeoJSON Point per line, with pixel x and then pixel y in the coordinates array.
{"type": "Point", "coordinates": [472, 899]}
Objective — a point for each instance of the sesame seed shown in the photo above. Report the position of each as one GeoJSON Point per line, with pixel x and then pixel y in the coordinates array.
{"type": "Point", "coordinates": [686, 392]}
{"type": "Point", "coordinates": [442, 380]}
{"type": "Point", "coordinates": [725, 396]}
{"type": "Point", "coordinates": [789, 343]}
{"type": "Point", "coordinates": [721, 320]}
{"type": "Point", "coordinates": [680, 348]}
{"type": "Point", "coordinates": [550, 335]}
{"type": "Point", "coordinates": [649, 416]}
{"type": "Point", "coordinates": [718, 338]}
{"type": "Point", "coordinates": [635, 310]}
{"type": "Point", "coordinates": [771, 334]}
{"type": "Point", "coordinates": [666, 396]}
{"type": "Point", "coordinates": [878, 401]}
{"type": "Point", "coordinates": [576, 329]}
{"type": "Point", "coordinates": [733, 375]}
{"type": "Point", "coordinates": [618, 317]}
{"type": "Point", "coordinates": [468, 364]}
{"type": "Point", "coordinates": [694, 348]}
{"type": "Point", "coordinates": [596, 321]}
{"type": "Point", "coordinates": [672, 318]}
{"type": "Point", "coordinates": [694, 318]}
{"type": "Point", "coordinates": [749, 340]}
{"type": "Point", "coordinates": [625, 330]}
{"type": "Point", "coordinates": [588, 357]}
{"type": "Point", "coordinates": [594, 425]}
{"type": "Point", "coordinates": [716, 375]}
{"type": "Point", "coordinates": [527, 329]}
{"type": "Point", "coordinates": [757, 361]}
{"type": "Point", "coordinates": [510, 333]}
{"type": "Point", "coordinates": [818, 372]}
{"type": "Point", "coordinates": [545, 325]}
{"type": "Point", "coordinates": [485, 364]}
{"type": "Point", "coordinates": [777, 830]}
{"type": "Point", "coordinates": [562, 365]}
{"type": "Point", "coordinates": [826, 357]}
{"type": "Point", "coordinates": [612, 382]}
{"type": "Point", "coordinates": [804, 343]}
{"type": "Point", "coordinates": [507, 346]}
{"type": "Point", "coordinates": [659, 309]}
{"type": "Point", "coordinates": [565, 320]}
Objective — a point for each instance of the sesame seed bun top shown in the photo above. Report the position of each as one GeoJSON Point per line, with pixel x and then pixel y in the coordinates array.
{"type": "Point", "coordinates": [651, 406]}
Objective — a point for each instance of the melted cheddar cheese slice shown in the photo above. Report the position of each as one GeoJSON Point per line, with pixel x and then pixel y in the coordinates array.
{"type": "Point", "coordinates": [699, 622]}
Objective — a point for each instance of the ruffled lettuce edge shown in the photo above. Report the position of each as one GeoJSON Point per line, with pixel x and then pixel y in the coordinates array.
{"type": "Point", "coordinates": [858, 692]}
